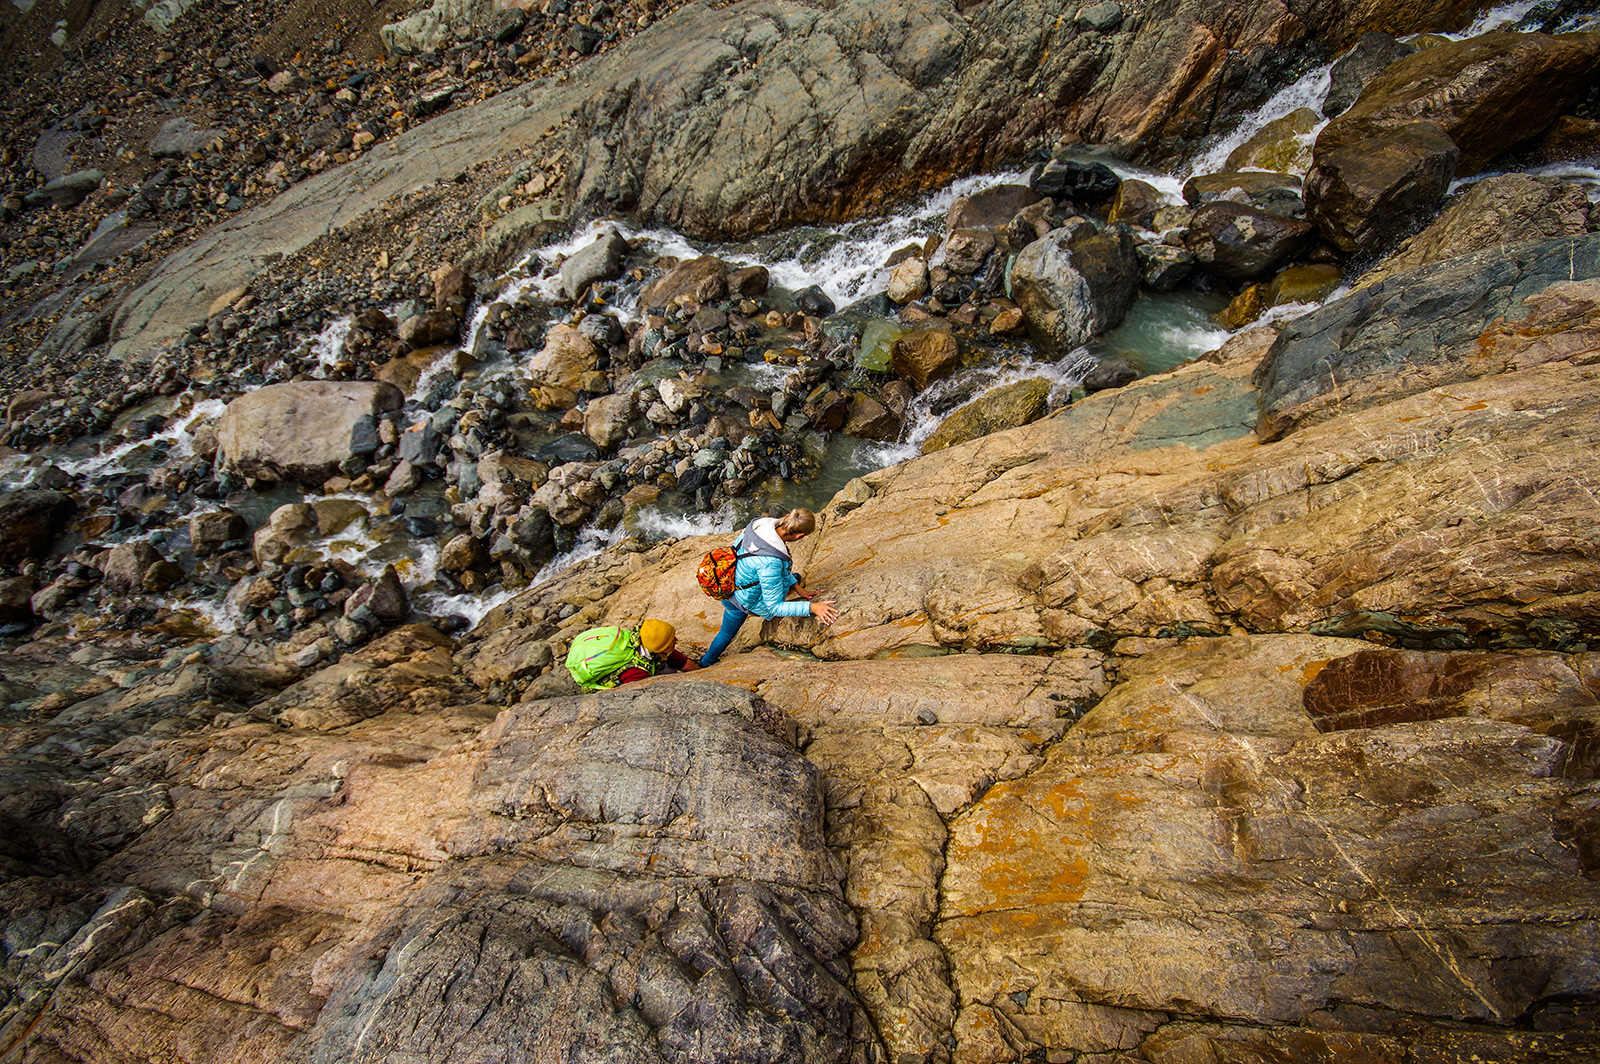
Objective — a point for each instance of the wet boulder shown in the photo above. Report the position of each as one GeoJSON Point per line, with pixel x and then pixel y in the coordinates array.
{"type": "Point", "coordinates": [600, 260]}
{"type": "Point", "coordinates": [1282, 145]}
{"type": "Point", "coordinates": [1165, 266]}
{"type": "Point", "coordinates": [966, 249]}
{"type": "Point", "coordinates": [127, 565]}
{"type": "Point", "coordinates": [1242, 243]}
{"type": "Point", "coordinates": [429, 328]}
{"type": "Point", "coordinates": [1000, 408]}
{"type": "Point", "coordinates": [1485, 94]}
{"type": "Point", "coordinates": [992, 208]}
{"type": "Point", "coordinates": [1367, 195]}
{"type": "Point", "coordinates": [926, 354]}
{"type": "Point", "coordinates": [1073, 284]}
{"type": "Point", "coordinates": [869, 419]}
{"type": "Point", "coordinates": [704, 274]}
{"type": "Point", "coordinates": [302, 431]}
{"type": "Point", "coordinates": [212, 531]}
{"type": "Point", "coordinates": [1497, 210]}
{"type": "Point", "coordinates": [1136, 203]}
{"type": "Point", "coordinates": [1087, 184]}
{"type": "Point", "coordinates": [1298, 284]}
{"type": "Point", "coordinates": [566, 360]}
{"type": "Point", "coordinates": [1275, 192]}
{"type": "Point", "coordinates": [291, 525]}
{"type": "Point", "coordinates": [1372, 53]}
{"type": "Point", "coordinates": [30, 521]}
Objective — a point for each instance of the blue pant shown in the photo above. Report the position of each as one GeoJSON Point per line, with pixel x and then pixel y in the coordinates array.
{"type": "Point", "coordinates": [732, 620]}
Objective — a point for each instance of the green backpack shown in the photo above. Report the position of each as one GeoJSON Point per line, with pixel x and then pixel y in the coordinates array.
{"type": "Point", "coordinates": [599, 656]}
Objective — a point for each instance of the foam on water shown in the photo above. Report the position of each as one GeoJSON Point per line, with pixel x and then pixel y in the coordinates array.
{"type": "Point", "coordinates": [1494, 18]}
{"type": "Point", "coordinates": [180, 435]}
{"type": "Point", "coordinates": [1577, 173]}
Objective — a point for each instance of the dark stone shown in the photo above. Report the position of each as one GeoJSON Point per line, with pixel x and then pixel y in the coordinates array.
{"type": "Point", "coordinates": [1109, 373]}
{"type": "Point", "coordinates": [1089, 184]}
{"type": "Point", "coordinates": [30, 522]}
{"type": "Point", "coordinates": [1367, 196]}
{"type": "Point", "coordinates": [1244, 243]}
{"type": "Point", "coordinates": [1370, 55]}
{"type": "Point", "coordinates": [814, 301]}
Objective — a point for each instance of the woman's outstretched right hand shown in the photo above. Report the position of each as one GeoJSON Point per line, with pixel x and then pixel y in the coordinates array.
{"type": "Point", "coordinates": [825, 612]}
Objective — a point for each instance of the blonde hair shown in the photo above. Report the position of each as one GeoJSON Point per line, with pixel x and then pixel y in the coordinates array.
{"type": "Point", "coordinates": [798, 520]}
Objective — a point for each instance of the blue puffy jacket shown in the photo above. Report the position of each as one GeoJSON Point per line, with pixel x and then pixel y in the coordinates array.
{"type": "Point", "coordinates": [762, 581]}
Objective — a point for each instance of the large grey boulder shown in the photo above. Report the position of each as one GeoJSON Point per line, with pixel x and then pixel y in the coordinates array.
{"type": "Point", "coordinates": [302, 431]}
{"type": "Point", "coordinates": [1074, 285]}
{"type": "Point", "coordinates": [600, 260]}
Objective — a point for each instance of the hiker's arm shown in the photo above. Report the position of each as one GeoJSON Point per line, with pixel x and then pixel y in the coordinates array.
{"type": "Point", "coordinates": [775, 583]}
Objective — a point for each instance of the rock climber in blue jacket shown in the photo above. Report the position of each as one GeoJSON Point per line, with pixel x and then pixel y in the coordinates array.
{"type": "Point", "coordinates": [764, 577]}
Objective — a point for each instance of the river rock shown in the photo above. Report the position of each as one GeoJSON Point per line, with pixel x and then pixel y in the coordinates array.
{"type": "Point", "coordinates": [1088, 184]}
{"type": "Point", "coordinates": [926, 354]}
{"type": "Point", "coordinates": [999, 408]}
{"type": "Point", "coordinates": [1438, 324]}
{"type": "Point", "coordinates": [291, 525]}
{"type": "Point", "coordinates": [429, 328]}
{"type": "Point", "coordinates": [965, 250]}
{"type": "Point", "coordinates": [600, 260]}
{"type": "Point", "coordinates": [1282, 145]}
{"type": "Point", "coordinates": [1072, 287]}
{"type": "Point", "coordinates": [565, 361]}
{"type": "Point", "coordinates": [707, 274]}
{"type": "Point", "coordinates": [1485, 94]}
{"type": "Point", "coordinates": [1369, 56]}
{"type": "Point", "coordinates": [211, 531]}
{"type": "Point", "coordinates": [302, 431]}
{"type": "Point", "coordinates": [1309, 285]}
{"type": "Point", "coordinates": [1244, 243]}
{"type": "Point", "coordinates": [1135, 203]}
{"type": "Point", "coordinates": [462, 552]}
{"type": "Point", "coordinates": [869, 419]}
{"type": "Point", "coordinates": [908, 280]}
{"type": "Point", "coordinates": [569, 495]}
{"type": "Point", "coordinates": [1275, 192]}
{"type": "Point", "coordinates": [1365, 196]}
{"type": "Point", "coordinates": [1165, 266]}
{"type": "Point", "coordinates": [606, 419]}
{"type": "Point", "coordinates": [990, 208]}
{"type": "Point", "coordinates": [30, 520]}
{"type": "Point", "coordinates": [125, 566]}
{"type": "Point", "coordinates": [1501, 209]}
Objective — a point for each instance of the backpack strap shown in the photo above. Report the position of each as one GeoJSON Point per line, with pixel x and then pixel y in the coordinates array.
{"type": "Point", "coordinates": [761, 549]}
